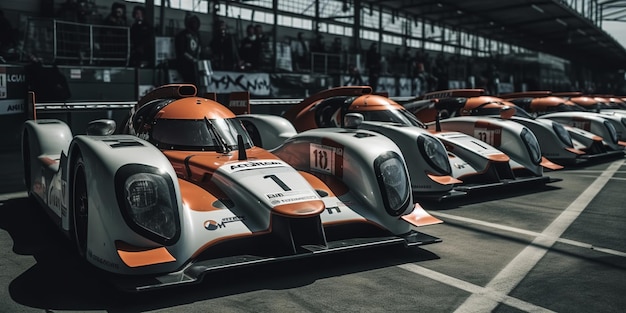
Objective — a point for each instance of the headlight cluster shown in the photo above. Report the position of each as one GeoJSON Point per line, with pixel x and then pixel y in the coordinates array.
{"type": "Point", "coordinates": [562, 133]}
{"type": "Point", "coordinates": [434, 153]}
{"type": "Point", "coordinates": [612, 131]}
{"type": "Point", "coordinates": [532, 145]}
{"type": "Point", "coordinates": [393, 182]}
{"type": "Point", "coordinates": [148, 202]}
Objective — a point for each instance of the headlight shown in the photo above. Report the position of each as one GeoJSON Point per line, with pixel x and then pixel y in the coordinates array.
{"type": "Point", "coordinates": [434, 153]}
{"type": "Point", "coordinates": [563, 134]}
{"type": "Point", "coordinates": [532, 145]}
{"type": "Point", "coordinates": [147, 200]}
{"type": "Point", "coordinates": [612, 131]}
{"type": "Point", "coordinates": [393, 182]}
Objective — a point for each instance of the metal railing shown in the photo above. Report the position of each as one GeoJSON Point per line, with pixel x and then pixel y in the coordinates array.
{"type": "Point", "coordinates": [61, 42]}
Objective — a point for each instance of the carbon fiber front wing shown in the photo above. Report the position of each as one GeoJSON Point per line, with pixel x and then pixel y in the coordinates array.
{"type": "Point", "coordinates": [195, 271]}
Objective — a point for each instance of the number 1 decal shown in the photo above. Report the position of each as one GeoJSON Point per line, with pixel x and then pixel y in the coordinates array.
{"type": "Point", "coordinates": [278, 181]}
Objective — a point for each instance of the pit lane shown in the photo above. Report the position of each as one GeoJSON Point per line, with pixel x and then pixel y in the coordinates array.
{"type": "Point", "coordinates": [560, 248]}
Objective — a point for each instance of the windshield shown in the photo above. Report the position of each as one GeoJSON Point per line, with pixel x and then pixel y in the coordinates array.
{"type": "Point", "coordinates": [403, 117]}
{"type": "Point", "coordinates": [196, 134]}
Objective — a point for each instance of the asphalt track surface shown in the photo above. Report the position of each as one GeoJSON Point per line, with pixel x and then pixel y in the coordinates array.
{"type": "Point", "coordinates": [560, 248]}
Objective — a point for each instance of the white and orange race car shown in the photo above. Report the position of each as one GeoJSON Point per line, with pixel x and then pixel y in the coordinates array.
{"type": "Point", "coordinates": [466, 110]}
{"type": "Point", "coordinates": [442, 165]}
{"type": "Point", "coordinates": [183, 191]}
{"type": "Point", "coordinates": [580, 112]}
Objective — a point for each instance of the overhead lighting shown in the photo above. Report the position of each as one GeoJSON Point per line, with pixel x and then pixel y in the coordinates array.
{"type": "Point", "coordinates": [582, 32]}
{"type": "Point", "coordinates": [560, 21]}
{"type": "Point", "coordinates": [538, 9]}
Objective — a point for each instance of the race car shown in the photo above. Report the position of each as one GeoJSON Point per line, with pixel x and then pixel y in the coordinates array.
{"type": "Point", "coordinates": [608, 125]}
{"type": "Point", "coordinates": [609, 108]}
{"type": "Point", "coordinates": [465, 109]}
{"type": "Point", "coordinates": [442, 165]}
{"type": "Point", "coordinates": [181, 191]}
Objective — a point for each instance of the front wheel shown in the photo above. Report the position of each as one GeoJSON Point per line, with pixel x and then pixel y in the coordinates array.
{"type": "Point", "coordinates": [80, 205]}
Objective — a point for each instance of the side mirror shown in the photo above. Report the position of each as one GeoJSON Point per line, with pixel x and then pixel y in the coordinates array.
{"type": "Point", "coordinates": [101, 127]}
{"type": "Point", "coordinates": [353, 120]}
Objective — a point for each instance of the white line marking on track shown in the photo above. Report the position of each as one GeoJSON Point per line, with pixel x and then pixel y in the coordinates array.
{"type": "Point", "coordinates": [488, 293]}
{"type": "Point", "coordinates": [526, 232]}
{"type": "Point", "coordinates": [513, 273]}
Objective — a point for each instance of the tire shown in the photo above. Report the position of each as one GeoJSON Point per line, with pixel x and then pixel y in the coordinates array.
{"type": "Point", "coordinates": [80, 207]}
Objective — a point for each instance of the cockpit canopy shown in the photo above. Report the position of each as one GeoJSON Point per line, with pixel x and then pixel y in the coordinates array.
{"type": "Point", "coordinates": [330, 111]}
{"type": "Point", "coordinates": [192, 123]}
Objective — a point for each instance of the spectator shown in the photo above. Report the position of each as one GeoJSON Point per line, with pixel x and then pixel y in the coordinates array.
{"type": "Point", "coordinates": [141, 39]}
{"type": "Point", "coordinates": [396, 62]}
{"type": "Point", "coordinates": [187, 43]}
{"type": "Point", "coordinates": [262, 47]}
{"type": "Point", "coordinates": [300, 52]}
{"type": "Point", "coordinates": [373, 65]}
{"type": "Point", "coordinates": [72, 11]}
{"type": "Point", "coordinates": [355, 76]}
{"type": "Point", "coordinates": [114, 41]}
{"type": "Point", "coordinates": [318, 44]}
{"type": "Point", "coordinates": [225, 56]}
{"type": "Point", "coordinates": [117, 16]}
{"type": "Point", "coordinates": [247, 49]}
{"type": "Point", "coordinates": [440, 71]}
{"type": "Point", "coordinates": [424, 82]}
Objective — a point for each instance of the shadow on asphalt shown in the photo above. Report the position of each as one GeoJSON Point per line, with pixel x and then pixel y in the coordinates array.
{"type": "Point", "coordinates": [485, 196]}
{"type": "Point", "coordinates": [60, 280]}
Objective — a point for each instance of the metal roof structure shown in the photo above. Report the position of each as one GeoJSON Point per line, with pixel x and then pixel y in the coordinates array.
{"type": "Point", "coordinates": [549, 26]}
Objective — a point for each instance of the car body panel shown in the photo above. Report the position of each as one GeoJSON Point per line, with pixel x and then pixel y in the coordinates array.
{"type": "Point", "coordinates": [474, 162]}
{"type": "Point", "coordinates": [158, 206]}
{"type": "Point", "coordinates": [560, 145]}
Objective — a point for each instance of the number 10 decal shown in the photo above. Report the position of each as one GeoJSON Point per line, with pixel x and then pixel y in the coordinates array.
{"type": "Point", "coordinates": [322, 158]}
{"type": "Point", "coordinates": [491, 134]}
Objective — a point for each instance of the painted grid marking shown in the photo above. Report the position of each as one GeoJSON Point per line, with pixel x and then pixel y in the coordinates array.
{"type": "Point", "coordinates": [486, 299]}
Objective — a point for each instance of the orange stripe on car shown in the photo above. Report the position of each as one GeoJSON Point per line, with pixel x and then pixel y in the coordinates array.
{"type": "Point", "coordinates": [498, 157]}
{"type": "Point", "coordinates": [300, 209]}
{"type": "Point", "coordinates": [419, 217]}
{"type": "Point", "coordinates": [549, 164]}
{"type": "Point", "coordinates": [136, 257]}
{"type": "Point", "coordinates": [576, 151]}
{"type": "Point", "coordinates": [444, 180]}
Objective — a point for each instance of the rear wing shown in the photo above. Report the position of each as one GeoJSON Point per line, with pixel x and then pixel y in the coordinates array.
{"type": "Point", "coordinates": [526, 94]}
{"type": "Point", "coordinates": [453, 93]}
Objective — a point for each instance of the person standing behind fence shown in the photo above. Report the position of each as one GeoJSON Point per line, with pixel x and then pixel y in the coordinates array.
{"type": "Point", "coordinates": [114, 41]}
{"type": "Point", "coordinates": [300, 52]}
{"type": "Point", "coordinates": [247, 49]}
{"type": "Point", "coordinates": [224, 52]}
{"type": "Point", "coordinates": [373, 65]}
{"type": "Point", "coordinates": [71, 11]}
{"type": "Point", "coordinates": [261, 47]}
{"type": "Point", "coordinates": [187, 43]}
{"type": "Point", "coordinates": [141, 39]}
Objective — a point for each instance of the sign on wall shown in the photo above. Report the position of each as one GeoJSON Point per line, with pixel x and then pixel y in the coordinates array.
{"type": "Point", "coordinates": [12, 89]}
{"type": "Point", "coordinates": [258, 84]}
